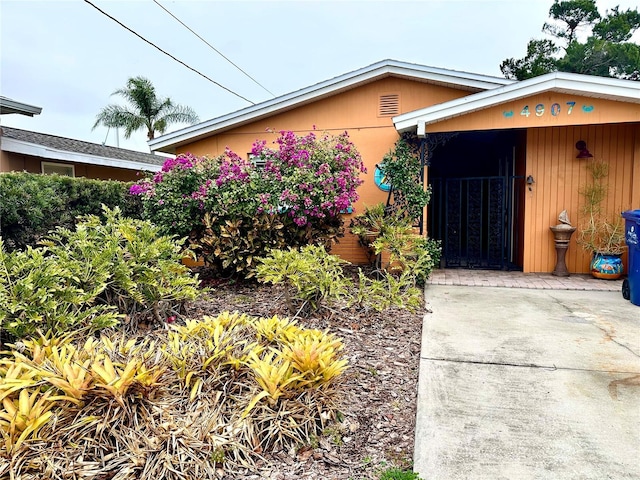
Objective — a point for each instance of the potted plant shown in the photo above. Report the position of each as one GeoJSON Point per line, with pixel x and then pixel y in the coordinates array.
{"type": "Point", "coordinates": [600, 233]}
{"type": "Point", "coordinates": [371, 223]}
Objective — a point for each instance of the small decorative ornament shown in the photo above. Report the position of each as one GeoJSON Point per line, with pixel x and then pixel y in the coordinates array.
{"type": "Point", "coordinates": [381, 179]}
{"type": "Point", "coordinates": [562, 236]}
{"type": "Point", "coordinates": [564, 218]}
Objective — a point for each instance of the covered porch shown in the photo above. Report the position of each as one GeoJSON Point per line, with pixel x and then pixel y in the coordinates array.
{"type": "Point", "coordinates": [503, 164]}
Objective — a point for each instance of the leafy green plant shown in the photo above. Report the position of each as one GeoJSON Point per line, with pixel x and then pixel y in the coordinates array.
{"type": "Point", "coordinates": [140, 270]}
{"type": "Point", "coordinates": [311, 276]}
{"type": "Point", "coordinates": [370, 222]}
{"type": "Point", "coordinates": [600, 231]}
{"type": "Point", "coordinates": [427, 253]}
{"type": "Point", "coordinates": [375, 221]}
{"type": "Point", "coordinates": [39, 292]}
{"type": "Point", "coordinates": [408, 252]}
{"type": "Point", "coordinates": [388, 291]}
{"type": "Point", "coordinates": [92, 276]}
{"type": "Point", "coordinates": [393, 473]}
{"type": "Point", "coordinates": [32, 204]}
{"type": "Point", "coordinates": [230, 245]}
{"type": "Point", "coordinates": [403, 171]}
{"type": "Point", "coordinates": [312, 279]}
{"type": "Point", "coordinates": [233, 244]}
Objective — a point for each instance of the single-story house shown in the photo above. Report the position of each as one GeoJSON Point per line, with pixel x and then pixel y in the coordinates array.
{"type": "Point", "coordinates": [24, 150]}
{"type": "Point", "coordinates": [499, 155]}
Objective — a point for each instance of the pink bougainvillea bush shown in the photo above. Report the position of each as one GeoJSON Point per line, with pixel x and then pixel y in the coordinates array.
{"type": "Point", "coordinates": [233, 211]}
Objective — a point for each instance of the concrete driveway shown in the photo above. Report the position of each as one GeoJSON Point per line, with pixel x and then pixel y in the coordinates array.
{"type": "Point", "coordinates": [528, 384]}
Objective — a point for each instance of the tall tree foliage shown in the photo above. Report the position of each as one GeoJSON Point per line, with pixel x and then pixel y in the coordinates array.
{"type": "Point", "coordinates": [606, 51]}
{"type": "Point", "coordinates": [144, 110]}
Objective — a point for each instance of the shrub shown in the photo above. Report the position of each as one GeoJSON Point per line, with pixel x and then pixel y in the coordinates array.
{"type": "Point", "coordinates": [408, 252]}
{"type": "Point", "coordinates": [86, 276]}
{"type": "Point", "coordinates": [41, 292]}
{"type": "Point", "coordinates": [388, 291]}
{"type": "Point", "coordinates": [313, 279]}
{"type": "Point", "coordinates": [31, 204]}
{"type": "Point", "coordinates": [226, 204]}
{"type": "Point", "coordinates": [310, 275]}
{"type": "Point", "coordinates": [232, 244]}
{"type": "Point", "coordinates": [202, 397]}
{"type": "Point", "coordinates": [403, 171]}
{"type": "Point", "coordinates": [144, 278]}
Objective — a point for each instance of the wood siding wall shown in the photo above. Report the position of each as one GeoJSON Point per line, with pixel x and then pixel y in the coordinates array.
{"type": "Point", "coordinates": [558, 174]}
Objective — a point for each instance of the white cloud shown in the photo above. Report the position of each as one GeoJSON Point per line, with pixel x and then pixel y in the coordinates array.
{"type": "Point", "coordinates": [68, 58]}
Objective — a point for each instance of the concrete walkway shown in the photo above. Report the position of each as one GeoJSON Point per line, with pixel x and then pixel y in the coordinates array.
{"type": "Point", "coordinates": [522, 383]}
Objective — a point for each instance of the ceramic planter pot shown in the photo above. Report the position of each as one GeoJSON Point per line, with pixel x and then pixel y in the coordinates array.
{"type": "Point", "coordinates": [606, 266]}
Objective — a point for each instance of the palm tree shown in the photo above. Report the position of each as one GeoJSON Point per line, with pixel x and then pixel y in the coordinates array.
{"type": "Point", "coordinates": [145, 110]}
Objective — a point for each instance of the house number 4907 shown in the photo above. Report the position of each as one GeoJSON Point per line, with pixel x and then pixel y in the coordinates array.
{"type": "Point", "coordinates": [539, 109]}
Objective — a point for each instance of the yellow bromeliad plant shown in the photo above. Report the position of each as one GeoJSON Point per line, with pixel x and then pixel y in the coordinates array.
{"type": "Point", "coordinates": [275, 329]}
{"type": "Point", "coordinates": [315, 355]}
{"type": "Point", "coordinates": [228, 385]}
{"type": "Point", "coordinates": [47, 372]}
{"type": "Point", "coordinates": [275, 375]}
{"type": "Point", "coordinates": [22, 417]}
{"type": "Point", "coordinates": [306, 359]}
{"type": "Point", "coordinates": [200, 349]}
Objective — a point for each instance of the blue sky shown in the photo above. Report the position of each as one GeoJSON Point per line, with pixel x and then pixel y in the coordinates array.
{"type": "Point", "coordinates": [67, 58]}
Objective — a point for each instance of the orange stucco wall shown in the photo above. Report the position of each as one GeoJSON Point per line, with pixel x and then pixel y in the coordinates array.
{"type": "Point", "coordinates": [355, 111]}
{"type": "Point", "coordinates": [13, 162]}
{"type": "Point", "coordinates": [559, 175]}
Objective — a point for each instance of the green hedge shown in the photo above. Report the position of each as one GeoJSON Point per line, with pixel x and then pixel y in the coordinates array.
{"type": "Point", "coordinates": [32, 204]}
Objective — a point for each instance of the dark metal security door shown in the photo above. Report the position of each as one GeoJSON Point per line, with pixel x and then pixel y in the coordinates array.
{"type": "Point", "coordinates": [474, 219]}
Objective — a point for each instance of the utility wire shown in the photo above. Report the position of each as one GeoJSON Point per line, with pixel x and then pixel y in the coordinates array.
{"type": "Point", "coordinates": [168, 54]}
{"type": "Point", "coordinates": [214, 48]}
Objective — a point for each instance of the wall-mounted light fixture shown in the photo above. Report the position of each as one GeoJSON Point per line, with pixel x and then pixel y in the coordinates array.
{"type": "Point", "coordinates": [584, 151]}
{"type": "Point", "coordinates": [530, 182]}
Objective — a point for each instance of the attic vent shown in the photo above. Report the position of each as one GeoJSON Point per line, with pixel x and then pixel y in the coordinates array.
{"type": "Point", "coordinates": [258, 162]}
{"type": "Point", "coordinates": [389, 105]}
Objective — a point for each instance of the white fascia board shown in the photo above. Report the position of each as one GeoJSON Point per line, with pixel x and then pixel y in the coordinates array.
{"type": "Point", "coordinates": [599, 87]}
{"type": "Point", "coordinates": [583, 85]}
{"type": "Point", "coordinates": [18, 107]}
{"type": "Point", "coordinates": [328, 87]}
{"type": "Point", "coordinates": [35, 150]}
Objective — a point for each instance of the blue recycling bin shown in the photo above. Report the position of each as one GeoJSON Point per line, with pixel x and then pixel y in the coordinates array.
{"type": "Point", "coordinates": [632, 237]}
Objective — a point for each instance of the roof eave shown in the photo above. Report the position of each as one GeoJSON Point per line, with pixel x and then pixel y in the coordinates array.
{"type": "Point", "coordinates": [9, 106]}
{"type": "Point", "coordinates": [584, 85]}
{"type": "Point", "coordinates": [41, 151]}
{"type": "Point", "coordinates": [474, 82]}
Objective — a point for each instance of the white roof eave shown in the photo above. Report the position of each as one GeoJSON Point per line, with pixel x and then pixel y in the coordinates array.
{"type": "Point", "coordinates": [583, 85]}
{"type": "Point", "coordinates": [12, 106]}
{"type": "Point", "coordinates": [36, 150]}
{"type": "Point", "coordinates": [333, 86]}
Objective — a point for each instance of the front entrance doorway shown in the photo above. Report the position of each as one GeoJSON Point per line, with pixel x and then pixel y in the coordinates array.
{"type": "Point", "coordinates": [477, 204]}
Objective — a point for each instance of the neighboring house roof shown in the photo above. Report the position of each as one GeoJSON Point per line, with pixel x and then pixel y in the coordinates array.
{"type": "Point", "coordinates": [8, 105]}
{"type": "Point", "coordinates": [70, 150]}
{"type": "Point", "coordinates": [471, 82]}
{"type": "Point", "coordinates": [560, 82]}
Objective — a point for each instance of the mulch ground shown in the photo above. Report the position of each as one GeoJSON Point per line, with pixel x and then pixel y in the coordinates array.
{"type": "Point", "coordinates": [379, 392]}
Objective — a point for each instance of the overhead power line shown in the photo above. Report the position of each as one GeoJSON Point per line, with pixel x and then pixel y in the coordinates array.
{"type": "Point", "coordinates": [213, 48]}
{"type": "Point", "coordinates": [168, 54]}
